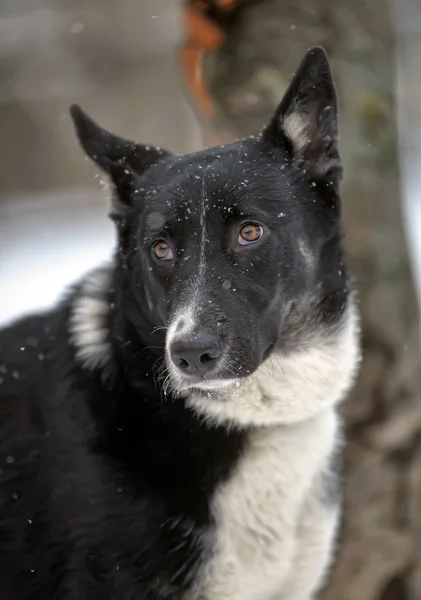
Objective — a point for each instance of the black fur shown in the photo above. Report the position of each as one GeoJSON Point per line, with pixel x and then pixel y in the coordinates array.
{"type": "Point", "coordinates": [105, 476]}
{"type": "Point", "coordinates": [104, 488]}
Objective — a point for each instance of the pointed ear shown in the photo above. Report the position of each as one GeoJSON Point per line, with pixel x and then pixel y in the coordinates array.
{"type": "Point", "coordinates": [306, 120]}
{"type": "Point", "coordinates": [123, 160]}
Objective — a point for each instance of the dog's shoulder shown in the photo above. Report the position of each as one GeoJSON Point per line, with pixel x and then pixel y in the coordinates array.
{"type": "Point", "coordinates": [36, 376]}
{"type": "Point", "coordinates": [27, 333]}
{"type": "Point", "coordinates": [25, 349]}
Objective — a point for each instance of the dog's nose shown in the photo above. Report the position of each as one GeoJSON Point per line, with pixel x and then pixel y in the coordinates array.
{"type": "Point", "coordinates": [195, 354]}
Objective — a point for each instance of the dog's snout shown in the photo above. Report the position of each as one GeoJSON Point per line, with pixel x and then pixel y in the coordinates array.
{"type": "Point", "coordinates": [196, 354]}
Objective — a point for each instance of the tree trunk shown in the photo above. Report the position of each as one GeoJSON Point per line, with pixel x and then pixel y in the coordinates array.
{"type": "Point", "coordinates": [379, 556]}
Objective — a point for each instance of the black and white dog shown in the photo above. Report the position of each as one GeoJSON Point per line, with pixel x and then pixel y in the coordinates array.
{"type": "Point", "coordinates": [169, 429]}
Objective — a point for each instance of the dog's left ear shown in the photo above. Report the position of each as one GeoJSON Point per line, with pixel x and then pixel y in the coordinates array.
{"type": "Point", "coordinates": [306, 120]}
{"type": "Point", "coordinates": [123, 160]}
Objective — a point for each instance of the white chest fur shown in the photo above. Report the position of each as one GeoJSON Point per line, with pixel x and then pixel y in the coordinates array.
{"type": "Point", "coordinates": [258, 510]}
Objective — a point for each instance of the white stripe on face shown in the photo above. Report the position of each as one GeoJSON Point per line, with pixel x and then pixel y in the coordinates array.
{"type": "Point", "coordinates": [185, 319]}
{"type": "Point", "coordinates": [183, 323]}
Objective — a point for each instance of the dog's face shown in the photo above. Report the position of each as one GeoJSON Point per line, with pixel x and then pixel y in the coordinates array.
{"type": "Point", "coordinates": [231, 250]}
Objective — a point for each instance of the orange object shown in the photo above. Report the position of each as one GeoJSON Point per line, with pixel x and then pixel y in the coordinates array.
{"type": "Point", "coordinates": [227, 4]}
{"type": "Point", "coordinates": [191, 60]}
{"type": "Point", "coordinates": [202, 30]}
{"type": "Point", "coordinates": [204, 34]}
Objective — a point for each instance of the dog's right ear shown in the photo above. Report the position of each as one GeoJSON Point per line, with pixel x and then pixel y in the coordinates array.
{"type": "Point", "coordinates": [123, 160]}
{"type": "Point", "coordinates": [306, 120]}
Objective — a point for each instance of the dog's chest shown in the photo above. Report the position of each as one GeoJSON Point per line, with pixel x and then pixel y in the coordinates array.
{"type": "Point", "coordinates": [256, 511]}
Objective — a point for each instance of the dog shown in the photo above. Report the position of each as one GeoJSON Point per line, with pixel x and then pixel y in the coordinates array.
{"type": "Point", "coordinates": [170, 430]}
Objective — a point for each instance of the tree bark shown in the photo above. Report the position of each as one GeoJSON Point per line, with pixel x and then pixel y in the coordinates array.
{"type": "Point", "coordinates": [379, 556]}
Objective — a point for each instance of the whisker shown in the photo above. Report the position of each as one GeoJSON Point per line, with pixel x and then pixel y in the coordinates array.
{"type": "Point", "coordinates": [160, 328]}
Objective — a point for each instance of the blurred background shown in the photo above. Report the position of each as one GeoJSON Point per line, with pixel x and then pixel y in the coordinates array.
{"type": "Point", "coordinates": [118, 60]}
{"type": "Point", "coordinates": [184, 74]}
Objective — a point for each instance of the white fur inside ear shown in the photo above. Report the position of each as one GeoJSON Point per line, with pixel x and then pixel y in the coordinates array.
{"type": "Point", "coordinates": [295, 126]}
{"type": "Point", "coordinates": [111, 195]}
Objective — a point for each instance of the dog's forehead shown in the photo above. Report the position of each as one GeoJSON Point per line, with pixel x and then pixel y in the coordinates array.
{"type": "Point", "coordinates": [216, 179]}
{"type": "Point", "coordinates": [212, 168]}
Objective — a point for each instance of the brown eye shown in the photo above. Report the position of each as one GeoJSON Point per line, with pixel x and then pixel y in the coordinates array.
{"type": "Point", "coordinates": [162, 251]}
{"type": "Point", "coordinates": [249, 234]}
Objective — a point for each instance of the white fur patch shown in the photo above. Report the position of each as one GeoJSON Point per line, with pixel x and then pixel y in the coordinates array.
{"type": "Point", "coordinates": [315, 544]}
{"type": "Point", "coordinates": [183, 323]}
{"type": "Point", "coordinates": [88, 319]}
{"type": "Point", "coordinates": [270, 537]}
{"type": "Point", "coordinates": [296, 128]}
{"type": "Point", "coordinates": [306, 253]}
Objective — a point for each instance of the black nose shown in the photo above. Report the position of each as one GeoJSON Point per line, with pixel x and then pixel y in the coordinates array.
{"type": "Point", "coordinates": [195, 354]}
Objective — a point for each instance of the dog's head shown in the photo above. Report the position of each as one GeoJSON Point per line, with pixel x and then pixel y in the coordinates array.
{"type": "Point", "coordinates": [234, 251]}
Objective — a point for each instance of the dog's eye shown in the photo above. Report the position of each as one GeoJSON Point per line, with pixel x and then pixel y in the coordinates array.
{"type": "Point", "coordinates": [249, 234]}
{"type": "Point", "coordinates": [162, 251]}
